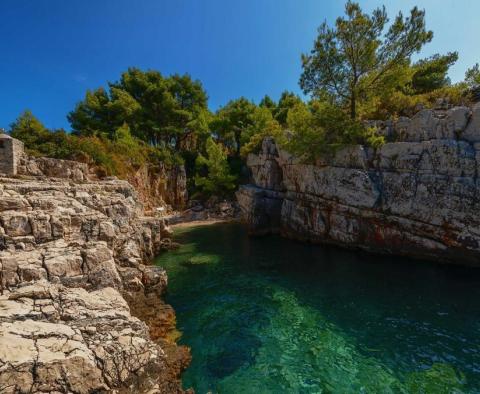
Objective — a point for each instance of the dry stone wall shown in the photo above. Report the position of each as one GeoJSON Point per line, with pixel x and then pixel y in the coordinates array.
{"type": "Point", "coordinates": [11, 152]}
{"type": "Point", "coordinates": [417, 195]}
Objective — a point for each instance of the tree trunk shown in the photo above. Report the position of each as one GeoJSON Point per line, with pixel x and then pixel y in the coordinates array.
{"type": "Point", "coordinates": [353, 106]}
{"type": "Point", "coordinates": [237, 142]}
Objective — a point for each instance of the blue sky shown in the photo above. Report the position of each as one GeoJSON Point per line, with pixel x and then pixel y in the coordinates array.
{"type": "Point", "coordinates": [52, 51]}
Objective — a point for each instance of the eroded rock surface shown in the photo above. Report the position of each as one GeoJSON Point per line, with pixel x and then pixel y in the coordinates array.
{"type": "Point", "coordinates": [417, 196]}
{"type": "Point", "coordinates": [75, 290]}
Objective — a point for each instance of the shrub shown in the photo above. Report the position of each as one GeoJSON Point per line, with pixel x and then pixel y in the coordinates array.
{"type": "Point", "coordinates": [321, 128]}
{"type": "Point", "coordinates": [213, 174]}
{"type": "Point", "coordinates": [263, 125]}
{"type": "Point", "coordinates": [397, 103]}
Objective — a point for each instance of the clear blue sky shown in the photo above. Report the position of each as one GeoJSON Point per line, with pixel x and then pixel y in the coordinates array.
{"type": "Point", "coordinates": [52, 51]}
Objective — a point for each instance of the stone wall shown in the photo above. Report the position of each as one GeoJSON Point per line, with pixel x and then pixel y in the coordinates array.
{"type": "Point", "coordinates": [417, 196]}
{"type": "Point", "coordinates": [11, 152]}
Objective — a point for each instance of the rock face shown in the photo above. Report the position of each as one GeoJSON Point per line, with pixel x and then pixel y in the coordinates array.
{"type": "Point", "coordinates": [156, 185]}
{"type": "Point", "coordinates": [45, 166]}
{"type": "Point", "coordinates": [418, 196]}
{"type": "Point", "coordinates": [75, 293]}
{"type": "Point", "coordinates": [161, 185]}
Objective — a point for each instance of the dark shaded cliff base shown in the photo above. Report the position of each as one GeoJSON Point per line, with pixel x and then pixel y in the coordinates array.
{"type": "Point", "coordinates": [416, 196]}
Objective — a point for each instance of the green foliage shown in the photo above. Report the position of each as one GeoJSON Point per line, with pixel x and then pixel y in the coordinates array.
{"type": "Point", "coordinates": [231, 121]}
{"type": "Point", "coordinates": [472, 76]}
{"type": "Point", "coordinates": [398, 103]}
{"type": "Point", "coordinates": [28, 129]}
{"type": "Point", "coordinates": [263, 125]}
{"type": "Point", "coordinates": [431, 74]}
{"type": "Point", "coordinates": [241, 125]}
{"type": "Point", "coordinates": [279, 110]}
{"type": "Point", "coordinates": [91, 116]}
{"type": "Point", "coordinates": [371, 138]}
{"type": "Point", "coordinates": [38, 140]}
{"type": "Point", "coordinates": [213, 174]}
{"type": "Point", "coordinates": [268, 103]}
{"type": "Point", "coordinates": [119, 155]}
{"type": "Point", "coordinates": [320, 128]}
{"type": "Point", "coordinates": [355, 59]}
{"type": "Point", "coordinates": [162, 111]}
{"type": "Point", "coordinates": [124, 142]}
{"type": "Point", "coordinates": [287, 101]}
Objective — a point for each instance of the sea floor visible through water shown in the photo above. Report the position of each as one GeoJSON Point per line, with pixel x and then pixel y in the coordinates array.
{"type": "Point", "coordinates": [269, 315]}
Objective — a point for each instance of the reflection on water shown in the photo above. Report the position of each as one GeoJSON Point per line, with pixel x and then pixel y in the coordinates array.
{"type": "Point", "coordinates": [268, 315]}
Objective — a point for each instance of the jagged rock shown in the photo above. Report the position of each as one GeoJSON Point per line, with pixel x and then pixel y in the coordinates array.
{"type": "Point", "coordinates": [71, 340]}
{"type": "Point", "coordinates": [261, 208]}
{"type": "Point", "coordinates": [161, 185]}
{"type": "Point", "coordinates": [268, 175]}
{"type": "Point", "coordinates": [45, 166]}
{"type": "Point", "coordinates": [15, 224]}
{"type": "Point", "coordinates": [472, 132]}
{"type": "Point", "coordinates": [71, 255]}
{"type": "Point", "coordinates": [417, 196]}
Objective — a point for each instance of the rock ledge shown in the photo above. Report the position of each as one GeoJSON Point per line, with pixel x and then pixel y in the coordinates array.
{"type": "Point", "coordinates": [73, 290]}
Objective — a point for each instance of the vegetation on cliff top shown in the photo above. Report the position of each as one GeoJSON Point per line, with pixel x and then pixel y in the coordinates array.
{"type": "Point", "coordinates": [358, 69]}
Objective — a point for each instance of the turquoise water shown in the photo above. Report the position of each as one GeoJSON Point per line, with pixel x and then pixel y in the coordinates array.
{"type": "Point", "coordinates": [268, 315]}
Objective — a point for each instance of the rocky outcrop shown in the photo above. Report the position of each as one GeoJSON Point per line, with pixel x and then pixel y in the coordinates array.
{"type": "Point", "coordinates": [161, 185]}
{"type": "Point", "coordinates": [417, 195]}
{"type": "Point", "coordinates": [214, 209]}
{"type": "Point", "coordinates": [156, 185]}
{"type": "Point", "coordinates": [46, 166]}
{"type": "Point", "coordinates": [75, 291]}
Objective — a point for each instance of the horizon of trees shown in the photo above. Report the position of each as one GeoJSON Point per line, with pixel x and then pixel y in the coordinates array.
{"type": "Point", "coordinates": [358, 69]}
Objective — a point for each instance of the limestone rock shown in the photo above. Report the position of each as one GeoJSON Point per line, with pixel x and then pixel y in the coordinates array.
{"type": "Point", "coordinates": [72, 252]}
{"type": "Point", "coordinates": [472, 132]}
{"type": "Point", "coordinates": [417, 196]}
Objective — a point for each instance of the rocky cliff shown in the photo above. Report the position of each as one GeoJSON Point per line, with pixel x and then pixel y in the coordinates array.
{"type": "Point", "coordinates": [418, 195]}
{"type": "Point", "coordinates": [155, 185]}
{"type": "Point", "coordinates": [80, 310]}
{"type": "Point", "coordinates": [161, 185]}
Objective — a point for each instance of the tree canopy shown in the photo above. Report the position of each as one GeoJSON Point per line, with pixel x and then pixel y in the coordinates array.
{"type": "Point", "coordinates": [213, 174]}
{"type": "Point", "coordinates": [358, 69]}
{"type": "Point", "coordinates": [431, 73]}
{"type": "Point", "coordinates": [231, 121]}
{"type": "Point", "coordinates": [163, 111]}
{"type": "Point", "coordinates": [356, 57]}
{"type": "Point", "coordinates": [28, 128]}
{"type": "Point", "coordinates": [472, 76]}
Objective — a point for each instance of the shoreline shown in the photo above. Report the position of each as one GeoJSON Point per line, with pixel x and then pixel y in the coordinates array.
{"type": "Point", "coordinates": [198, 223]}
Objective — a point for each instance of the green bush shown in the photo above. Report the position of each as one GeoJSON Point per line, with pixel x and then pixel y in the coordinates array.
{"type": "Point", "coordinates": [118, 156]}
{"type": "Point", "coordinates": [319, 129]}
{"type": "Point", "coordinates": [397, 103]}
{"type": "Point", "coordinates": [263, 125]}
{"type": "Point", "coordinates": [213, 173]}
